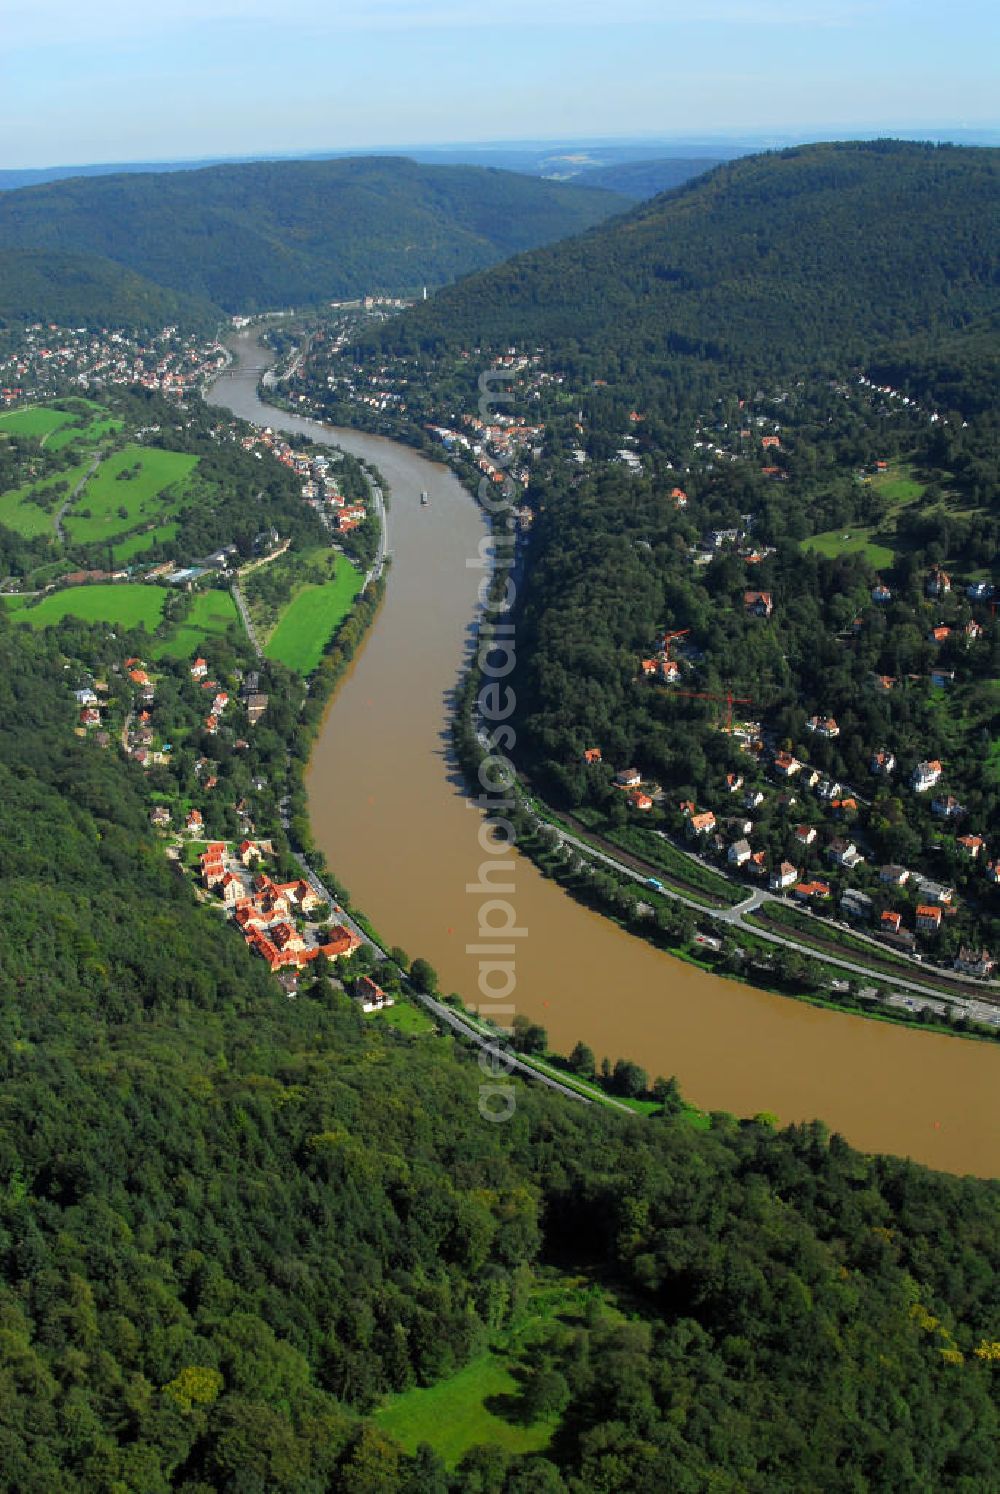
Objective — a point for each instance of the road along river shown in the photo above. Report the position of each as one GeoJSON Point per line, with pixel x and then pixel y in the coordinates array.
{"type": "Point", "coordinates": [392, 814]}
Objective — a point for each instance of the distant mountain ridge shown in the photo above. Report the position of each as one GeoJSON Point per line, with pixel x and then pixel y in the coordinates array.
{"type": "Point", "coordinates": [256, 236]}
{"type": "Point", "coordinates": [813, 251]}
{"type": "Point", "coordinates": [642, 179]}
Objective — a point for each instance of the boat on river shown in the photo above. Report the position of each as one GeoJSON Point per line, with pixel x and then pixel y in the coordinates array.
{"type": "Point", "coordinates": [424, 498]}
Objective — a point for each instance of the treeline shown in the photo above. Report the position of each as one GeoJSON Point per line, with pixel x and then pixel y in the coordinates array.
{"type": "Point", "coordinates": [261, 235]}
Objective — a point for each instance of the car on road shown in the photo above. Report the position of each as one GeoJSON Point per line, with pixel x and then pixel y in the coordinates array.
{"type": "Point", "coordinates": [656, 884]}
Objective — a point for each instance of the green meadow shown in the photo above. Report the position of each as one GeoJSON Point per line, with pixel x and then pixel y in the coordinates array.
{"type": "Point", "coordinates": [122, 606]}
{"type": "Point", "coordinates": [311, 618]}
{"type": "Point", "coordinates": [127, 549]}
{"type": "Point", "coordinates": [898, 486]}
{"type": "Point", "coordinates": [851, 541]}
{"type": "Point", "coordinates": [211, 614]}
{"type": "Point", "coordinates": [454, 1415]}
{"type": "Point", "coordinates": [38, 421]}
{"type": "Point", "coordinates": [89, 434]}
{"type": "Point", "coordinates": [31, 519]}
{"type": "Point", "coordinates": [111, 504]}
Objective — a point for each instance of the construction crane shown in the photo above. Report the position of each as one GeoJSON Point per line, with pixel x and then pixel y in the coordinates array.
{"type": "Point", "coordinates": [729, 698]}
{"type": "Point", "coordinates": [668, 638]}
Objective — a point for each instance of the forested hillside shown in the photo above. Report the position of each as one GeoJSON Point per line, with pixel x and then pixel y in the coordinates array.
{"type": "Point", "coordinates": [268, 234]}
{"type": "Point", "coordinates": [51, 286]}
{"type": "Point", "coordinates": [754, 424]}
{"type": "Point", "coordinates": [229, 1222]}
{"type": "Point", "coordinates": [823, 252]}
{"type": "Point", "coordinates": [642, 179]}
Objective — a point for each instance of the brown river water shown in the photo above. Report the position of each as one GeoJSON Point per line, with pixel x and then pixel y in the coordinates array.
{"type": "Point", "coordinates": [394, 818]}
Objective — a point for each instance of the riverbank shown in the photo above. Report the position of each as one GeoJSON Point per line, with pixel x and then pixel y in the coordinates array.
{"type": "Point", "coordinates": [389, 809]}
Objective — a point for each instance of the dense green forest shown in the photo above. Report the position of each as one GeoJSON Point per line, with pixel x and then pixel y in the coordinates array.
{"type": "Point", "coordinates": [819, 252]}
{"type": "Point", "coordinates": [229, 1223]}
{"type": "Point", "coordinates": [267, 234]}
{"type": "Point", "coordinates": [48, 285]}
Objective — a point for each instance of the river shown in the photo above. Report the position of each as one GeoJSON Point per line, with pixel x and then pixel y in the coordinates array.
{"type": "Point", "coordinates": [391, 812]}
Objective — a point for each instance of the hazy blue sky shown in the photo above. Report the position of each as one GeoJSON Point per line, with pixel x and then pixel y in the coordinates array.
{"type": "Point", "coordinates": [122, 80]}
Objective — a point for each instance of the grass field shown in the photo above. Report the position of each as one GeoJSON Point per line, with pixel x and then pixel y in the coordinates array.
{"type": "Point", "coordinates": [452, 1415]}
{"type": "Point", "coordinates": [123, 606]}
{"type": "Point", "coordinates": [89, 434]}
{"type": "Point", "coordinates": [898, 486]}
{"type": "Point", "coordinates": [851, 542]}
{"type": "Point", "coordinates": [127, 549]}
{"type": "Point", "coordinates": [311, 619]}
{"type": "Point", "coordinates": [406, 1017]}
{"type": "Point", "coordinates": [28, 519]}
{"type": "Point", "coordinates": [37, 420]}
{"type": "Point", "coordinates": [118, 505]}
{"type": "Point", "coordinates": [212, 612]}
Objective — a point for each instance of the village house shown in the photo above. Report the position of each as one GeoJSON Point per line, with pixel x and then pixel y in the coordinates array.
{"type": "Point", "coordinates": [942, 678]}
{"type": "Point", "coordinates": [855, 904]}
{"type": "Point", "coordinates": [805, 834]}
{"type": "Point", "coordinates": [883, 763]}
{"type": "Point", "coordinates": [757, 864]}
{"type": "Point", "coordinates": [199, 669]}
{"type": "Point", "coordinates": [883, 682]}
{"type": "Point", "coordinates": [739, 853]}
{"type": "Point", "coordinates": [232, 889]}
{"type": "Point", "coordinates": [823, 726]}
{"type": "Point", "coordinates": [938, 583]}
{"type": "Point", "coordinates": [752, 799]}
{"type": "Point", "coordinates": [786, 766]}
{"type": "Point", "coordinates": [893, 876]}
{"type": "Point", "coordinates": [977, 962]}
{"type": "Point", "coordinates": [160, 817]}
{"type": "Point", "coordinates": [371, 994]}
{"type": "Point", "coordinates": [940, 634]}
{"type": "Point", "coordinates": [256, 706]}
{"type": "Point", "coordinates": [701, 824]}
{"type": "Point", "coordinates": [249, 852]}
{"type": "Point", "coordinates": [928, 919]}
{"type": "Point", "coordinates": [971, 845]}
{"type": "Point", "coordinates": [591, 755]}
{"type": "Point", "coordinates": [783, 876]}
{"type": "Point", "coordinates": [640, 800]}
{"type": "Point", "coordinates": [628, 778]}
{"type": "Point", "coordinates": [890, 923]}
{"type": "Point", "coordinates": [193, 822]}
{"type": "Point", "coordinates": [806, 891]}
{"type": "Point", "coordinates": [758, 603]}
{"type": "Point", "coordinates": [925, 775]}
{"type": "Point", "coordinates": [934, 892]}
{"type": "Point", "coordinates": [734, 782]}
{"type": "Point", "coordinates": [881, 593]}
{"type": "Point", "coordinates": [973, 630]}
{"type": "Point", "coordinates": [844, 853]}
{"type": "Point", "coordinates": [90, 716]}
{"type": "Point", "coordinates": [946, 807]}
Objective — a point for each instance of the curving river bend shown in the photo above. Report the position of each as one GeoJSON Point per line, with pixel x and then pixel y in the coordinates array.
{"type": "Point", "coordinates": [391, 813]}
